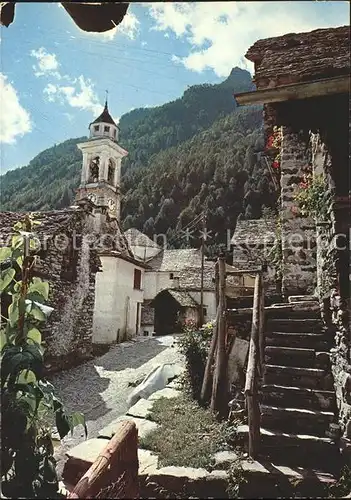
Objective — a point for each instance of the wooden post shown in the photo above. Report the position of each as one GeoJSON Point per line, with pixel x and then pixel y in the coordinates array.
{"type": "Point", "coordinates": [118, 462]}
{"type": "Point", "coordinates": [261, 330]}
{"type": "Point", "coordinates": [202, 270]}
{"type": "Point", "coordinates": [219, 401]}
{"type": "Point", "coordinates": [211, 354]}
{"type": "Point", "coordinates": [217, 284]}
{"type": "Point", "coordinates": [251, 388]}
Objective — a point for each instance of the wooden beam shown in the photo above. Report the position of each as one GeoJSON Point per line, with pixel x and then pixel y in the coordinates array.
{"type": "Point", "coordinates": [296, 91]}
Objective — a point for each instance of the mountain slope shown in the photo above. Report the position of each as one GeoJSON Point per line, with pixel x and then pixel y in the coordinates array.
{"type": "Point", "coordinates": [196, 152]}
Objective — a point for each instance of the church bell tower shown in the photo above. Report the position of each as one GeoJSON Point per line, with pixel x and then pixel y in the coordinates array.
{"type": "Point", "coordinates": [101, 169]}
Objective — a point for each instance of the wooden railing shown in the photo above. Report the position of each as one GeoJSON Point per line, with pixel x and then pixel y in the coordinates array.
{"type": "Point", "coordinates": [218, 353]}
{"type": "Point", "coordinates": [255, 367]}
{"type": "Point", "coordinates": [114, 474]}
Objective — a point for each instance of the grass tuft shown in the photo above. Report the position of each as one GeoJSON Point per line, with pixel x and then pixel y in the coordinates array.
{"type": "Point", "coordinates": [188, 434]}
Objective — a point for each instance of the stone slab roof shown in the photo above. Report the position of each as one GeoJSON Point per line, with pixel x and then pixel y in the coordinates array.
{"type": "Point", "coordinates": [51, 222]}
{"type": "Point", "coordinates": [254, 232]}
{"type": "Point", "coordinates": [301, 57]}
{"type": "Point", "coordinates": [181, 296]}
{"type": "Point", "coordinates": [185, 263]}
{"type": "Point", "coordinates": [137, 238]}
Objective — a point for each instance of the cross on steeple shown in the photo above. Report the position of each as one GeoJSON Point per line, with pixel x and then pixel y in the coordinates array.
{"type": "Point", "coordinates": [106, 99]}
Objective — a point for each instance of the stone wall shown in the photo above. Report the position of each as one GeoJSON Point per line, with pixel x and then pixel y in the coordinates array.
{"type": "Point", "coordinates": [298, 233]}
{"type": "Point", "coordinates": [68, 332]}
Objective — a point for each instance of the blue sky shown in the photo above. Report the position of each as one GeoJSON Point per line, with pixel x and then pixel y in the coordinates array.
{"type": "Point", "coordinates": [53, 76]}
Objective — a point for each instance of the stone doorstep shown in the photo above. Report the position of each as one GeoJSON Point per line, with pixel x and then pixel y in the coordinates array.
{"type": "Point", "coordinates": [175, 477]}
{"type": "Point", "coordinates": [223, 458]}
{"type": "Point", "coordinates": [167, 392]}
{"type": "Point", "coordinates": [141, 409]}
{"type": "Point", "coordinates": [143, 425]}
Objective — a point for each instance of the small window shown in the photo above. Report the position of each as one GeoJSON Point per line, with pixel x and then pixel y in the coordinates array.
{"type": "Point", "coordinates": [171, 276]}
{"type": "Point", "coordinates": [114, 133]}
{"type": "Point", "coordinates": [96, 128]}
{"type": "Point", "coordinates": [137, 279]}
{"type": "Point", "coordinates": [106, 129]}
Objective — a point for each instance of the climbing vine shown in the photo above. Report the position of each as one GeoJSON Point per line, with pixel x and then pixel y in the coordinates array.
{"type": "Point", "coordinates": [30, 409]}
{"type": "Point", "coordinates": [312, 197]}
{"type": "Point", "coordinates": [273, 149]}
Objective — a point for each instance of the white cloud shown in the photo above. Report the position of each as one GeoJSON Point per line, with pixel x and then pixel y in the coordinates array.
{"type": "Point", "coordinates": [14, 119]}
{"type": "Point", "coordinates": [82, 95]}
{"type": "Point", "coordinates": [221, 32]}
{"type": "Point", "coordinates": [47, 64]}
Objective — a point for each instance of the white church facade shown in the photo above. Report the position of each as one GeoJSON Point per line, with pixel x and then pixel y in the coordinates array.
{"type": "Point", "coordinates": [118, 288]}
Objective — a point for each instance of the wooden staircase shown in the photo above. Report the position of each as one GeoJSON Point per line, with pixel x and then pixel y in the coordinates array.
{"type": "Point", "coordinates": [296, 394]}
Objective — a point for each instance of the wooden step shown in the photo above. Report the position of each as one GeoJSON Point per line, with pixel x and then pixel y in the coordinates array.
{"type": "Point", "coordinates": [313, 378]}
{"type": "Point", "coordinates": [299, 420]}
{"type": "Point", "coordinates": [315, 341]}
{"type": "Point", "coordinates": [286, 313]}
{"type": "Point", "coordinates": [298, 397]}
{"type": "Point", "coordinates": [295, 325]}
{"type": "Point", "coordinates": [288, 448]}
{"type": "Point", "coordinates": [290, 356]}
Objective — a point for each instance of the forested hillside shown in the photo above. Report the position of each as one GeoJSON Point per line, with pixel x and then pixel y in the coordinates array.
{"type": "Point", "coordinates": [193, 154]}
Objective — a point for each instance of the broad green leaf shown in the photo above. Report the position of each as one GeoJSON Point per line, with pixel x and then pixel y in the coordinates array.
{"type": "Point", "coordinates": [17, 241]}
{"type": "Point", "coordinates": [6, 278]}
{"type": "Point", "coordinates": [19, 260]}
{"type": "Point", "coordinates": [17, 358]}
{"type": "Point", "coordinates": [26, 377]}
{"type": "Point", "coordinates": [76, 419]}
{"type": "Point", "coordinates": [3, 339]}
{"type": "Point", "coordinates": [40, 287]}
{"type": "Point", "coordinates": [34, 335]}
{"type": "Point", "coordinates": [37, 313]}
{"type": "Point", "coordinates": [13, 312]}
{"type": "Point", "coordinates": [62, 423]}
{"type": "Point", "coordinates": [18, 226]}
{"type": "Point", "coordinates": [5, 253]}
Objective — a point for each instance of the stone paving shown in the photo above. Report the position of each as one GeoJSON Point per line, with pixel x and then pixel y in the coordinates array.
{"type": "Point", "coordinates": [100, 387]}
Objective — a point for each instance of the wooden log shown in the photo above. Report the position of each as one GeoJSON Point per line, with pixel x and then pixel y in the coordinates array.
{"type": "Point", "coordinates": [251, 392]}
{"type": "Point", "coordinates": [252, 361]}
{"type": "Point", "coordinates": [119, 457]}
{"type": "Point", "coordinates": [219, 400]}
{"type": "Point", "coordinates": [261, 330]}
{"type": "Point", "coordinates": [207, 375]}
{"type": "Point", "coordinates": [217, 284]}
{"type": "Point", "coordinates": [253, 412]}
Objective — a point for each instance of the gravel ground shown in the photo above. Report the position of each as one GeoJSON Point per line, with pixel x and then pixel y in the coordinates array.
{"type": "Point", "coordinates": [100, 387]}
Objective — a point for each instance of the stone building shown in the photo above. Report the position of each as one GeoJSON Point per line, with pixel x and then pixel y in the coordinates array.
{"type": "Point", "coordinates": [67, 262]}
{"type": "Point", "coordinates": [177, 270]}
{"type": "Point", "coordinates": [303, 81]}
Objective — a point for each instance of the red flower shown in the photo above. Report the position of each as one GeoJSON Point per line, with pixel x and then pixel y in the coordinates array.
{"type": "Point", "coordinates": [276, 164]}
{"type": "Point", "coordinates": [303, 185]}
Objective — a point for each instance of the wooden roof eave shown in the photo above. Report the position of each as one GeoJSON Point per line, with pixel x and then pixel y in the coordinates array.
{"type": "Point", "coordinates": [296, 91]}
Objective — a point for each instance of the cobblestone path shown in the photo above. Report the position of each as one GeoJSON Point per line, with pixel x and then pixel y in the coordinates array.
{"type": "Point", "coordinates": [100, 387]}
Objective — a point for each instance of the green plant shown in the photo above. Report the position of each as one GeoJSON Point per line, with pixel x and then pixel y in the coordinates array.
{"type": "Point", "coordinates": [187, 435]}
{"type": "Point", "coordinates": [313, 197]}
{"type": "Point", "coordinates": [343, 486]}
{"type": "Point", "coordinates": [236, 478]}
{"type": "Point", "coordinates": [194, 345]}
{"type": "Point", "coordinates": [29, 406]}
